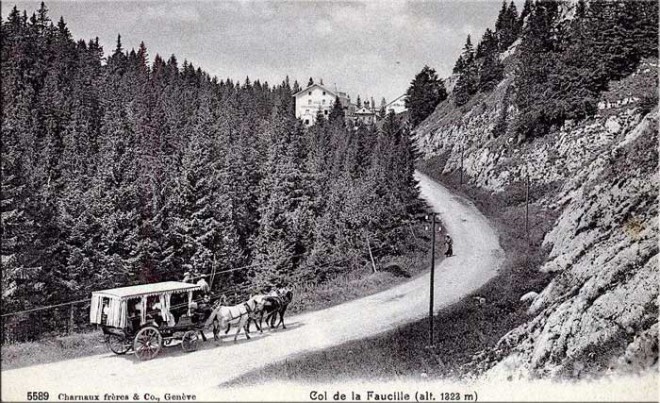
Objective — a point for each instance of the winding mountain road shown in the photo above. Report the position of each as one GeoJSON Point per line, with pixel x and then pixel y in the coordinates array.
{"type": "Point", "coordinates": [477, 258]}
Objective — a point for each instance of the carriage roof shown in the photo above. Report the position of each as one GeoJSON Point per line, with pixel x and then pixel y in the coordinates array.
{"type": "Point", "coordinates": [135, 291]}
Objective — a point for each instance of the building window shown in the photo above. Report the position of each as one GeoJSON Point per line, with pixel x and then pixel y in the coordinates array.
{"type": "Point", "coordinates": [310, 93]}
{"type": "Point", "coordinates": [306, 121]}
{"type": "Point", "coordinates": [324, 100]}
{"type": "Point", "coordinates": [323, 92]}
{"type": "Point", "coordinates": [309, 102]}
{"type": "Point", "coordinates": [325, 112]}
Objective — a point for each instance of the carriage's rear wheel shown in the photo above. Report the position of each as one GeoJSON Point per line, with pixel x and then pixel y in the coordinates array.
{"type": "Point", "coordinates": [189, 341]}
{"type": "Point", "coordinates": [148, 343]}
{"type": "Point", "coordinates": [118, 344]}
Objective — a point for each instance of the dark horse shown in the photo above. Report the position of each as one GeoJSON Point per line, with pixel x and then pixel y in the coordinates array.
{"type": "Point", "coordinates": [275, 303]}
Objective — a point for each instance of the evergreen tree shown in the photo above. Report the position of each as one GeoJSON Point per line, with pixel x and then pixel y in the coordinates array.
{"type": "Point", "coordinates": [426, 91]}
{"type": "Point", "coordinates": [337, 112]}
{"type": "Point", "coordinates": [467, 83]}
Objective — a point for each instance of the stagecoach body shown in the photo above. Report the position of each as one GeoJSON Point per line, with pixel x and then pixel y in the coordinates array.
{"type": "Point", "coordinates": [124, 316]}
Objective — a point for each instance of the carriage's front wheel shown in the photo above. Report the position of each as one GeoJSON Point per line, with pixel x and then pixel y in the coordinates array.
{"type": "Point", "coordinates": [118, 344]}
{"type": "Point", "coordinates": [148, 343]}
{"type": "Point", "coordinates": [189, 341]}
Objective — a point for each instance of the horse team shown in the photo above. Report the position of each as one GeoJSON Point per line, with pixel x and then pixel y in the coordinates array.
{"type": "Point", "coordinates": [259, 307]}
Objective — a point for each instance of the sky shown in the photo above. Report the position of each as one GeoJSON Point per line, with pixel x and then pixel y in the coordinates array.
{"type": "Point", "coordinates": [371, 49]}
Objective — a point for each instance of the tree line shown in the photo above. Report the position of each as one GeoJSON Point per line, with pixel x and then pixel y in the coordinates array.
{"type": "Point", "coordinates": [117, 170]}
{"type": "Point", "coordinates": [564, 58]}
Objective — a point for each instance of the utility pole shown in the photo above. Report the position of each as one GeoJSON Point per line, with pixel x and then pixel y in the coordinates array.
{"type": "Point", "coordinates": [371, 256]}
{"type": "Point", "coordinates": [462, 149]}
{"type": "Point", "coordinates": [432, 280]}
{"type": "Point", "coordinates": [527, 207]}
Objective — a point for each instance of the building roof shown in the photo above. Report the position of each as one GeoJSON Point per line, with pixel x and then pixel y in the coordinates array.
{"type": "Point", "coordinates": [364, 111]}
{"type": "Point", "coordinates": [148, 289]}
{"type": "Point", "coordinates": [315, 85]}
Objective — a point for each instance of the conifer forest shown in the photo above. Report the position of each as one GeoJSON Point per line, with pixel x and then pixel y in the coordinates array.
{"type": "Point", "coordinates": [120, 168]}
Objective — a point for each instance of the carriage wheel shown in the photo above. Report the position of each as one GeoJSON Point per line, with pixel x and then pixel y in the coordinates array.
{"type": "Point", "coordinates": [189, 341]}
{"type": "Point", "coordinates": [147, 343]}
{"type": "Point", "coordinates": [118, 344]}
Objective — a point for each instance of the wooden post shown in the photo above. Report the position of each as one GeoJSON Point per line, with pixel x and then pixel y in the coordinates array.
{"type": "Point", "coordinates": [212, 274]}
{"type": "Point", "coordinates": [462, 149]}
{"type": "Point", "coordinates": [373, 264]}
{"type": "Point", "coordinates": [527, 207]}
{"type": "Point", "coordinates": [70, 325]}
{"type": "Point", "coordinates": [432, 280]}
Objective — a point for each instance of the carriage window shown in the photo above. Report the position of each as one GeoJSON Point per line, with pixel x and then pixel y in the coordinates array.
{"type": "Point", "coordinates": [178, 301]}
{"type": "Point", "coordinates": [105, 310]}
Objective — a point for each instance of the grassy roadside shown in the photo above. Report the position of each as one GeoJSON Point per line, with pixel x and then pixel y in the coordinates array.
{"type": "Point", "coordinates": [52, 349]}
{"type": "Point", "coordinates": [307, 297]}
{"type": "Point", "coordinates": [463, 330]}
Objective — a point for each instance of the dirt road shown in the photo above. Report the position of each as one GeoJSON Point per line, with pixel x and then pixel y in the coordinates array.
{"type": "Point", "coordinates": [477, 258]}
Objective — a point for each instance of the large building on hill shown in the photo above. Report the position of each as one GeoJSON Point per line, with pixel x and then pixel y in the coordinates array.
{"type": "Point", "coordinates": [317, 98]}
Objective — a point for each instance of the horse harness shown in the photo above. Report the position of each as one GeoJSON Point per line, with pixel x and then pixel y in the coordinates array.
{"type": "Point", "coordinates": [236, 312]}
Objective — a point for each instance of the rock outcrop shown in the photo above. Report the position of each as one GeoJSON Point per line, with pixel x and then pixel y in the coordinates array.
{"type": "Point", "coordinates": [600, 311]}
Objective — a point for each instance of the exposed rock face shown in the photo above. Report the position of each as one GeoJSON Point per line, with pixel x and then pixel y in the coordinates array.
{"type": "Point", "coordinates": [600, 312]}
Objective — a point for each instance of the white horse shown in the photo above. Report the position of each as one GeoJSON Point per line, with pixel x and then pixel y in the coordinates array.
{"type": "Point", "coordinates": [224, 316]}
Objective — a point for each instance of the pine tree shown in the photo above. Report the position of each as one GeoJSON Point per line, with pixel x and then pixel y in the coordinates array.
{"type": "Point", "coordinates": [507, 26]}
{"type": "Point", "coordinates": [537, 61]}
{"type": "Point", "coordinates": [426, 91]}
{"type": "Point", "coordinates": [337, 112]}
{"type": "Point", "coordinates": [467, 83]}
{"type": "Point", "coordinates": [284, 211]}
{"type": "Point", "coordinates": [459, 66]}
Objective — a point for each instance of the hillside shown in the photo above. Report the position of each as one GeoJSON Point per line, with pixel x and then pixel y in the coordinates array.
{"type": "Point", "coordinates": [599, 177]}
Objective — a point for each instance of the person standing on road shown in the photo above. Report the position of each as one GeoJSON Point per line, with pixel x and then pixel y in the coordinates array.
{"type": "Point", "coordinates": [448, 244]}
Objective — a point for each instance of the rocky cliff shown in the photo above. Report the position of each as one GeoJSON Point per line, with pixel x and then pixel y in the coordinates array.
{"type": "Point", "coordinates": [600, 310]}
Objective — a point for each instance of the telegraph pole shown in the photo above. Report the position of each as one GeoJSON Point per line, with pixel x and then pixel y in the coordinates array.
{"type": "Point", "coordinates": [432, 280]}
{"type": "Point", "coordinates": [527, 206]}
{"type": "Point", "coordinates": [462, 149]}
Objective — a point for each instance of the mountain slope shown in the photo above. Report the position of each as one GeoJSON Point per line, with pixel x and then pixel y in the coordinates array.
{"type": "Point", "coordinates": [599, 176]}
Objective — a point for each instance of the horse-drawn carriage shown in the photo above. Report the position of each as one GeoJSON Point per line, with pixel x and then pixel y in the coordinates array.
{"type": "Point", "coordinates": [146, 317]}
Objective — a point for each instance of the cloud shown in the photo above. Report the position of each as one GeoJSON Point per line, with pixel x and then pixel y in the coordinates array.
{"type": "Point", "coordinates": [172, 12]}
{"type": "Point", "coordinates": [354, 44]}
{"type": "Point", "coordinates": [324, 28]}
